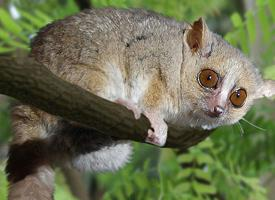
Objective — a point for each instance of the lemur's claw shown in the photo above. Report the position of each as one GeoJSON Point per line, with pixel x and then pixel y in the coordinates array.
{"type": "Point", "coordinates": [158, 134]}
{"type": "Point", "coordinates": [155, 139]}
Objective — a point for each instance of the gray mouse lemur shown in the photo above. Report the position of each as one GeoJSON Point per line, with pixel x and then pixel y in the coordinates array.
{"type": "Point", "coordinates": [171, 71]}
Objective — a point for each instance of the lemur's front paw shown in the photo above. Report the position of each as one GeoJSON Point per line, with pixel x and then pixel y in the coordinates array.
{"type": "Point", "coordinates": [158, 134]}
{"type": "Point", "coordinates": [130, 106]}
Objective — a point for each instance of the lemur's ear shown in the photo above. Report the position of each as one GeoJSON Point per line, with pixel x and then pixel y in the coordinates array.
{"type": "Point", "coordinates": [198, 36]}
{"type": "Point", "coordinates": [267, 89]}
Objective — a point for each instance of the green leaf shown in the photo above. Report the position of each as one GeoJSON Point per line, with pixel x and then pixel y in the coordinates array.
{"type": "Point", "coordinates": [44, 17]}
{"type": "Point", "coordinates": [251, 27]}
{"type": "Point", "coordinates": [240, 33]}
{"type": "Point", "coordinates": [243, 40]}
{"type": "Point", "coordinates": [27, 26]}
{"type": "Point", "coordinates": [272, 8]}
{"type": "Point", "coordinates": [37, 22]}
{"type": "Point", "coordinates": [139, 180]}
{"type": "Point", "coordinates": [206, 144]}
{"type": "Point", "coordinates": [6, 49]}
{"type": "Point", "coordinates": [61, 188]}
{"type": "Point", "coordinates": [8, 23]}
{"type": "Point", "coordinates": [185, 173]}
{"type": "Point", "coordinates": [185, 158]}
{"type": "Point", "coordinates": [204, 159]}
{"type": "Point", "coordinates": [119, 195]}
{"type": "Point", "coordinates": [3, 183]}
{"type": "Point", "coordinates": [236, 20]}
{"type": "Point", "coordinates": [202, 174]}
{"type": "Point", "coordinates": [4, 35]}
{"type": "Point", "coordinates": [230, 37]}
{"type": "Point", "coordinates": [129, 189]}
{"type": "Point", "coordinates": [11, 26]}
{"type": "Point", "coordinates": [260, 3]}
{"type": "Point", "coordinates": [203, 188]}
{"type": "Point", "coordinates": [182, 187]}
{"type": "Point", "coordinates": [16, 44]}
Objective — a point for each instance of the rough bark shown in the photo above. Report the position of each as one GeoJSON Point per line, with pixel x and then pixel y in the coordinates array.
{"type": "Point", "coordinates": [34, 84]}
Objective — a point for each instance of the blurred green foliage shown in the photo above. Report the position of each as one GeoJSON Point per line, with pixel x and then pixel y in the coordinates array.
{"type": "Point", "coordinates": [23, 18]}
{"type": "Point", "coordinates": [3, 183]}
{"type": "Point", "coordinates": [228, 165]}
{"type": "Point", "coordinates": [62, 191]}
{"type": "Point", "coordinates": [261, 21]}
{"type": "Point", "coordinates": [179, 9]}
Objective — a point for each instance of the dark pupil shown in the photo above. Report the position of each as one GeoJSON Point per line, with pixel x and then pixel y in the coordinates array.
{"type": "Point", "coordinates": [238, 94]}
{"type": "Point", "coordinates": [209, 77]}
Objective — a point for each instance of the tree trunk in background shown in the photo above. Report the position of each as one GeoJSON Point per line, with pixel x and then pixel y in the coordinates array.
{"type": "Point", "coordinates": [255, 48]}
{"type": "Point", "coordinates": [76, 183]}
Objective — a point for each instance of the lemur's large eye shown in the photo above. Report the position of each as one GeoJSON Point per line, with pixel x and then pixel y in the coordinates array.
{"type": "Point", "coordinates": [238, 97]}
{"type": "Point", "coordinates": [208, 78]}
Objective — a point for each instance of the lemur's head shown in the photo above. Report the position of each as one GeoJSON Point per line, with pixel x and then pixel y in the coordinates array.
{"type": "Point", "coordinates": [220, 81]}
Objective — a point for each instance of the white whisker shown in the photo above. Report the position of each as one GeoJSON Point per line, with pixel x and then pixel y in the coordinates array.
{"type": "Point", "coordinates": [241, 128]}
{"type": "Point", "coordinates": [262, 129]}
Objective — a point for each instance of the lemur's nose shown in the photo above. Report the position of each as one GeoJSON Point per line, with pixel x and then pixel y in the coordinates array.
{"type": "Point", "coordinates": [218, 110]}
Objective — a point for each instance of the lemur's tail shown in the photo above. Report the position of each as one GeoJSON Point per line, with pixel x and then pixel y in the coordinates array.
{"type": "Point", "coordinates": [41, 141]}
{"type": "Point", "coordinates": [29, 171]}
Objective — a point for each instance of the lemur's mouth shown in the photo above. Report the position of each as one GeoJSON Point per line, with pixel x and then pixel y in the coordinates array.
{"type": "Point", "coordinates": [212, 114]}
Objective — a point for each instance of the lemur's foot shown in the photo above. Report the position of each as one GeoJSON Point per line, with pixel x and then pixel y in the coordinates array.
{"type": "Point", "coordinates": [130, 106]}
{"type": "Point", "coordinates": [158, 134]}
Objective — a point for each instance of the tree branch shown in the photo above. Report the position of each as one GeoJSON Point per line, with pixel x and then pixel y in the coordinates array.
{"type": "Point", "coordinates": [32, 83]}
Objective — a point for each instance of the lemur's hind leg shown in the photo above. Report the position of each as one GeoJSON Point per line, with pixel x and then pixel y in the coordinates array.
{"type": "Point", "coordinates": [110, 154]}
{"type": "Point", "coordinates": [108, 158]}
{"type": "Point", "coordinates": [90, 150]}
